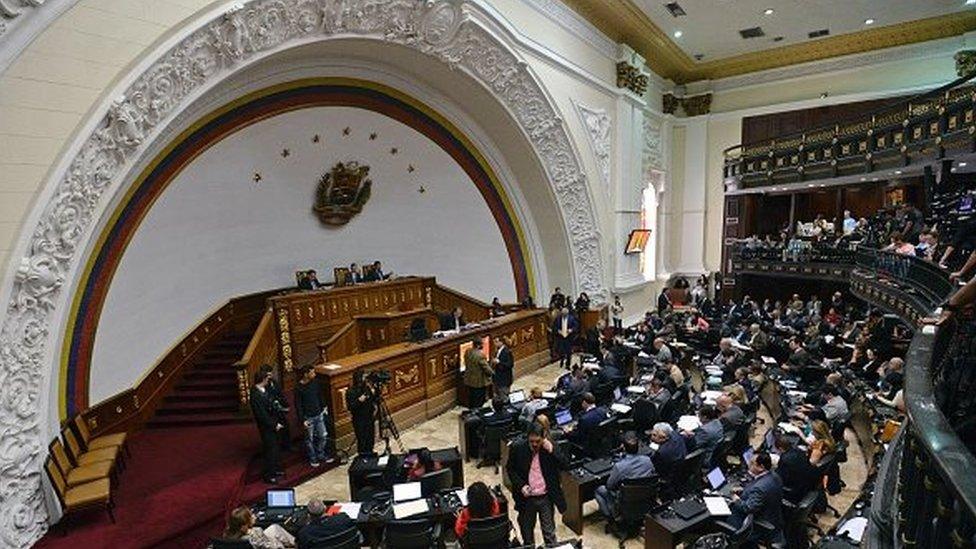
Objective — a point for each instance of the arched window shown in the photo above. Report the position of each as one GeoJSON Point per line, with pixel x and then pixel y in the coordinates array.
{"type": "Point", "coordinates": [649, 220]}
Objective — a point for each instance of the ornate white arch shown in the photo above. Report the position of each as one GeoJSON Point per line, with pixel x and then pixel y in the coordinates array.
{"type": "Point", "coordinates": [456, 33]}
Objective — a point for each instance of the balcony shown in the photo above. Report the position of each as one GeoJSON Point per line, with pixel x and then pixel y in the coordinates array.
{"type": "Point", "coordinates": [908, 135]}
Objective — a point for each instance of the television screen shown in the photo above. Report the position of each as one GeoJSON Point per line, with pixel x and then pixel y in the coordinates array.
{"type": "Point", "coordinates": [637, 241]}
{"type": "Point", "coordinates": [485, 348]}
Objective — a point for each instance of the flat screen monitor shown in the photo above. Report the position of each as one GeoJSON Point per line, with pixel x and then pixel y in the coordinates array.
{"type": "Point", "coordinates": [281, 498]}
{"type": "Point", "coordinates": [406, 491]}
{"type": "Point", "coordinates": [965, 203]}
{"type": "Point", "coordinates": [563, 417]}
{"type": "Point", "coordinates": [637, 241]}
{"type": "Point", "coordinates": [716, 478]}
{"type": "Point", "coordinates": [747, 454]}
{"type": "Point", "coordinates": [516, 397]}
{"type": "Point", "coordinates": [617, 393]}
{"type": "Point", "coordinates": [485, 349]}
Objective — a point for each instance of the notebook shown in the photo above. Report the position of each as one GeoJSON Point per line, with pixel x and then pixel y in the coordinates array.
{"type": "Point", "coordinates": [410, 508]}
{"type": "Point", "coordinates": [516, 397]}
{"type": "Point", "coordinates": [406, 491]}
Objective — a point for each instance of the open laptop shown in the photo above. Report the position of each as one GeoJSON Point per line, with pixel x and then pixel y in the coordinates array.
{"type": "Point", "coordinates": [770, 442]}
{"type": "Point", "coordinates": [280, 504]}
{"type": "Point", "coordinates": [617, 393]}
{"type": "Point", "coordinates": [406, 491]}
{"type": "Point", "coordinates": [563, 417]}
{"type": "Point", "coordinates": [747, 455]}
{"type": "Point", "coordinates": [516, 397]}
{"type": "Point", "coordinates": [716, 479]}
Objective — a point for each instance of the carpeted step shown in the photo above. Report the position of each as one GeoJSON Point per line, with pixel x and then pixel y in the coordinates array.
{"type": "Point", "coordinates": [229, 376]}
{"type": "Point", "coordinates": [204, 384]}
{"type": "Point", "coordinates": [201, 395]}
{"type": "Point", "coordinates": [197, 407]}
{"type": "Point", "coordinates": [196, 420]}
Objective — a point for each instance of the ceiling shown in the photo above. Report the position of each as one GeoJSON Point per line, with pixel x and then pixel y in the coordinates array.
{"type": "Point", "coordinates": [711, 29]}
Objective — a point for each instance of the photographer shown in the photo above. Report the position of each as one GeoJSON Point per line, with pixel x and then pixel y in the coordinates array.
{"type": "Point", "coordinates": [361, 403]}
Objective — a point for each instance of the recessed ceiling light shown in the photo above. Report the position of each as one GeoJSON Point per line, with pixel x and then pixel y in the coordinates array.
{"type": "Point", "coordinates": [768, 11]}
{"type": "Point", "coordinates": [864, 179]}
{"type": "Point", "coordinates": [678, 34]}
{"type": "Point", "coordinates": [869, 21]}
{"type": "Point", "coordinates": [897, 172]}
{"type": "Point", "coordinates": [962, 164]}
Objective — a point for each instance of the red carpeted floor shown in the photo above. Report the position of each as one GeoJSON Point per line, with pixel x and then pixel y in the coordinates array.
{"type": "Point", "coordinates": [178, 486]}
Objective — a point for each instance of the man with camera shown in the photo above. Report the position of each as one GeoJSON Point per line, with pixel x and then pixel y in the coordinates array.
{"type": "Point", "coordinates": [267, 419]}
{"type": "Point", "coordinates": [361, 403]}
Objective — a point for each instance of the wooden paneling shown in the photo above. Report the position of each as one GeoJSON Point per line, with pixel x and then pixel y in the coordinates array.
{"type": "Point", "coordinates": [781, 124]}
{"type": "Point", "coordinates": [445, 299]}
{"type": "Point", "coordinates": [130, 409]}
{"type": "Point", "coordinates": [427, 373]}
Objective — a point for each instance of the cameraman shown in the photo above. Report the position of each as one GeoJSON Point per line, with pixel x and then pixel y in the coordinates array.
{"type": "Point", "coordinates": [361, 403]}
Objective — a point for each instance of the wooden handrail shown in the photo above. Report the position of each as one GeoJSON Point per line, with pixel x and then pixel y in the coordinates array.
{"type": "Point", "coordinates": [262, 349]}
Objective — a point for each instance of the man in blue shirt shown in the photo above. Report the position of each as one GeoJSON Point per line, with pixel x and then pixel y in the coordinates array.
{"type": "Point", "coordinates": [631, 466]}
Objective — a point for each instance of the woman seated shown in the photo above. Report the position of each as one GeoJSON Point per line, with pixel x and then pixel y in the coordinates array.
{"type": "Point", "coordinates": [419, 464]}
{"type": "Point", "coordinates": [820, 441]}
{"type": "Point", "coordinates": [240, 528]}
{"type": "Point", "coordinates": [481, 504]}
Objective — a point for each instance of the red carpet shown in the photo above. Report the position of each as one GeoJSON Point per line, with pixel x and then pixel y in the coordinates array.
{"type": "Point", "coordinates": [178, 486]}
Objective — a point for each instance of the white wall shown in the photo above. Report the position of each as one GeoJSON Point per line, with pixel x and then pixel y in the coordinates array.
{"type": "Point", "coordinates": [214, 233]}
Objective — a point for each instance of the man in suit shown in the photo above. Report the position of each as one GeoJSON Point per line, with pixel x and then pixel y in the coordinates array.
{"type": "Point", "coordinates": [320, 527]}
{"type": "Point", "coordinates": [589, 418]}
{"type": "Point", "coordinates": [799, 357]}
{"type": "Point", "coordinates": [280, 406]}
{"type": "Point", "coordinates": [758, 340]}
{"type": "Point", "coordinates": [477, 374]}
{"type": "Point", "coordinates": [658, 393]}
{"type": "Point", "coordinates": [575, 382]}
{"type": "Point", "coordinates": [564, 330]}
{"type": "Point", "coordinates": [662, 353]}
{"type": "Point", "coordinates": [557, 301]}
{"type": "Point", "coordinates": [671, 449]}
{"type": "Point", "coordinates": [355, 274]}
{"type": "Point", "coordinates": [732, 416]}
{"type": "Point", "coordinates": [310, 281]}
{"type": "Point", "coordinates": [378, 273]}
{"type": "Point", "coordinates": [799, 476]}
{"type": "Point", "coordinates": [708, 436]}
{"type": "Point", "coordinates": [262, 408]}
{"type": "Point", "coordinates": [631, 466]}
{"type": "Point", "coordinates": [533, 469]}
{"type": "Point", "coordinates": [504, 365]}
{"type": "Point", "coordinates": [762, 497]}
{"type": "Point", "coordinates": [453, 321]}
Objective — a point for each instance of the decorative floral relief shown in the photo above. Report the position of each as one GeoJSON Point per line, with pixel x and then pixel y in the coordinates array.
{"type": "Point", "coordinates": [598, 125]}
{"type": "Point", "coordinates": [652, 155]}
{"type": "Point", "coordinates": [435, 27]}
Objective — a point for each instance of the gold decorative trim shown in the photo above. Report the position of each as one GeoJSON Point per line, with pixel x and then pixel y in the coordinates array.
{"type": "Point", "coordinates": [623, 21]}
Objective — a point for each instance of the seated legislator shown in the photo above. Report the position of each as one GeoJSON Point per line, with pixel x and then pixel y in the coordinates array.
{"type": "Point", "coordinates": [321, 527]}
{"type": "Point", "coordinates": [575, 382]}
{"type": "Point", "coordinates": [799, 357]}
{"type": "Point", "coordinates": [631, 466]}
{"type": "Point", "coordinates": [799, 476]}
{"type": "Point", "coordinates": [355, 274]}
{"type": "Point", "coordinates": [591, 416]}
{"type": "Point", "coordinates": [453, 321]}
{"type": "Point", "coordinates": [709, 435]}
{"type": "Point", "coordinates": [532, 406]}
{"type": "Point", "coordinates": [732, 416]}
{"type": "Point", "coordinates": [657, 392]}
{"type": "Point", "coordinates": [481, 504]}
{"type": "Point", "coordinates": [671, 449]}
{"type": "Point", "coordinates": [376, 273]}
{"type": "Point", "coordinates": [310, 281]}
{"type": "Point", "coordinates": [419, 464]}
{"type": "Point", "coordinates": [241, 529]}
{"type": "Point", "coordinates": [762, 498]}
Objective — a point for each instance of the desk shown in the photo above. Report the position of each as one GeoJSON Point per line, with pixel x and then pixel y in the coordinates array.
{"type": "Point", "coordinates": [425, 376]}
{"type": "Point", "coordinates": [579, 487]}
{"type": "Point", "coordinates": [360, 467]}
{"type": "Point", "coordinates": [664, 530]}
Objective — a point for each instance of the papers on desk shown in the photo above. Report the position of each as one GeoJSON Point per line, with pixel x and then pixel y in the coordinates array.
{"type": "Point", "coordinates": [349, 508]}
{"type": "Point", "coordinates": [620, 408]}
{"type": "Point", "coordinates": [854, 528]}
{"type": "Point", "coordinates": [739, 346]}
{"type": "Point", "coordinates": [790, 428]}
{"type": "Point", "coordinates": [462, 496]}
{"type": "Point", "coordinates": [549, 395]}
{"type": "Point", "coordinates": [636, 389]}
{"type": "Point", "coordinates": [382, 461]}
{"type": "Point", "coordinates": [711, 395]}
{"type": "Point", "coordinates": [717, 506]}
{"type": "Point", "coordinates": [642, 354]}
{"type": "Point", "coordinates": [829, 339]}
{"type": "Point", "coordinates": [797, 394]}
{"type": "Point", "coordinates": [688, 423]}
{"type": "Point", "coordinates": [768, 360]}
{"type": "Point", "coordinates": [332, 366]}
{"type": "Point", "coordinates": [679, 345]}
{"type": "Point", "coordinates": [410, 508]}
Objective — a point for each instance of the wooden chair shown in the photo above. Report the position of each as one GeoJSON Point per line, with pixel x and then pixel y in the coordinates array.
{"type": "Point", "coordinates": [89, 442]}
{"type": "Point", "coordinates": [82, 497]}
{"type": "Point", "coordinates": [74, 476]}
{"type": "Point", "coordinates": [80, 457]}
{"type": "Point", "coordinates": [342, 276]}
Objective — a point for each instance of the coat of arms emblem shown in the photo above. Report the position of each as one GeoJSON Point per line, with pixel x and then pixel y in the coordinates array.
{"type": "Point", "coordinates": [342, 192]}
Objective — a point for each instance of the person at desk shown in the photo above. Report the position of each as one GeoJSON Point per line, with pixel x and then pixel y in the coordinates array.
{"type": "Point", "coordinates": [732, 416]}
{"type": "Point", "coordinates": [758, 340]}
{"type": "Point", "coordinates": [320, 527]}
{"type": "Point", "coordinates": [575, 382]}
{"type": "Point", "coordinates": [377, 273]}
{"type": "Point", "coordinates": [799, 476]}
{"type": "Point", "coordinates": [454, 321]}
{"type": "Point", "coordinates": [662, 353]}
{"type": "Point", "coordinates": [496, 308]}
{"type": "Point", "coordinates": [708, 436]}
{"type": "Point", "coordinates": [564, 330]}
{"type": "Point", "coordinates": [355, 274]}
{"type": "Point", "coordinates": [533, 469]}
{"type": "Point", "coordinates": [504, 366]}
{"type": "Point", "coordinates": [557, 300]}
{"type": "Point", "coordinates": [477, 374]}
{"type": "Point", "coordinates": [631, 466]}
{"type": "Point", "coordinates": [671, 449]}
{"type": "Point", "coordinates": [266, 418]}
{"type": "Point", "coordinates": [893, 378]}
{"type": "Point", "coordinates": [532, 406]}
{"type": "Point", "coordinates": [834, 406]}
{"type": "Point", "coordinates": [761, 497]}
{"type": "Point", "coordinates": [240, 528]}
{"type": "Point", "coordinates": [799, 357]}
{"type": "Point", "coordinates": [481, 504]}
{"type": "Point", "coordinates": [589, 418]}
{"type": "Point", "coordinates": [726, 356]}
{"type": "Point", "coordinates": [361, 403]}
{"type": "Point", "coordinates": [657, 392]}
{"type": "Point", "coordinates": [310, 281]}
{"type": "Point", "coordinates": [419, 464]}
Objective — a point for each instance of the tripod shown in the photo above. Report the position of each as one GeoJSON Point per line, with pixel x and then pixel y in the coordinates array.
{"type": "Point", "coordinates": [388, 427]}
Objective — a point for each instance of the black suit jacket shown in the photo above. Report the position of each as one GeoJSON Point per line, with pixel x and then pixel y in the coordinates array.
{"type": "Point", "coordinates": [670, 453]}
{"type": "Point", "coordinates": [586, 423]}
{"type": "Point", "coordinates": [503, 370]}
{"type": "Point", "coordinates": [761, 498]}
{"type": "Point", "coordinates": [262, 411]}
{"type": "Point", "coordinates": [797, 474]}
{"type": "Point", "coordinates": [312, 534]}
{"type": "Point", "coordinates": [519, 462]}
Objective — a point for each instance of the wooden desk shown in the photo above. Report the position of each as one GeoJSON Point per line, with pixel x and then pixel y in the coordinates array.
{"type": "Point", "coordinates": [375, 331]}
{"type": "Point", "coordinates": [578, 489]}
{"type": "Point", "coordinates": [425, 376]}
{"type": "Point", "coordinates": [666, 531]}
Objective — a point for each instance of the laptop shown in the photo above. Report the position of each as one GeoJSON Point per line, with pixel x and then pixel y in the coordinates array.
{"type": "Point", "coordinates": [406, 491]}
{"type": "Point", "coordinates": [598, 466]}
{"type": "Point", "coordinates": [716, 479]}
{"type": "Point", "coordinates": [516, 397]}
{"type": "Point", "coordinates": [747, 455]}
{"type": "Point", "coordinates": [563, 417]}
{"type": "Point", "coordinates": [688, 508]}
{"type": "Point", "coordinates": [280, 504]}
{"type": "Point", "coordinates": [770, 441]}
{"type": "Point", "coordinates": [617, 393]}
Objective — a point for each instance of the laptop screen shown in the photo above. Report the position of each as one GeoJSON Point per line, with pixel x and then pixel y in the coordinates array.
{"type": "Point", "coordinates": [747, 455]}
{"type": "Point", "coordinates": [770, 441]}
{"type": "Point", "coordinates": [406, 491]}
{"type": "Point", "coordinates": [716, 478]}
{"type": "Point", "coordinates": [617, 393]}
{"type": "Point", "coordinates": [281, 498]}
{"type": "Point", "coordinates": [563, 417]}
{"type": "Point", "coordinates": [516, 397]}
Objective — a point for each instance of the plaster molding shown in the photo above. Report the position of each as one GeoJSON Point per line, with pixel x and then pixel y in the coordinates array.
{"type": "Point", "coordinates": [598, 126]}
{"type": "Point", "coordinates": [21, 21]}
{"type": "Point", "coordinates": [652, 148]}
{"type": "Point", "coordinates": [568, 19]}
{"type": "Point", "coordinates": [171, 77]}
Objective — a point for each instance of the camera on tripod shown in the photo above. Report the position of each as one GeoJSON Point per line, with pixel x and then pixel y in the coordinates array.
{"type": "Point", "coordinates": [379, 377]}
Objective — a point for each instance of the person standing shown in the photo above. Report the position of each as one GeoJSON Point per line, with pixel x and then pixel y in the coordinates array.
{"type": "Point", "coordinates": [504, 365]}
{"type": "Point", "coordinates": [280, 406]}
{"type": "Point", "coordinates": [533, 468]}
{"type": "Point", "coordinates": [361, 403]}
{"type": "Point", "coordinates": [477, 374]}
{"type": "Point", "coordinates": [564, 331]}
{"type": "Point", "coordinates": [268, 426]}
{"type": "Point", "coordinates": [617, 313]}
{"type": "Point", "coordinates": [311, 415]}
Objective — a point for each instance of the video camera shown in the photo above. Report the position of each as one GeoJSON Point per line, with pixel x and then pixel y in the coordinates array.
{"type": "Point", "coordinates": [378, 377]}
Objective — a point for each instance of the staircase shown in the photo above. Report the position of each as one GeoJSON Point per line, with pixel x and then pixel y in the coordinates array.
{"type": "Point", "coordinates": [207, 395]}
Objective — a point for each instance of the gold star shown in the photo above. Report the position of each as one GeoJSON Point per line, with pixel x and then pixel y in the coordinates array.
{"type": "Point", "coordinates": [315, 138]}
{"type": "Point", "coordinates": [257, 177]}
{"type": "Point", "coordinates": [372, 136]}
{"type": "Point", "coordinates": [285, 153]}
{"type": "Point", "coordinates": [410, 168]}
{"type": "Point", "coordinates": [346, 131]}
{"type": "Point", "coordinates": [421, 190]}
{"type": "Point", "coordinates": [394, 150]}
